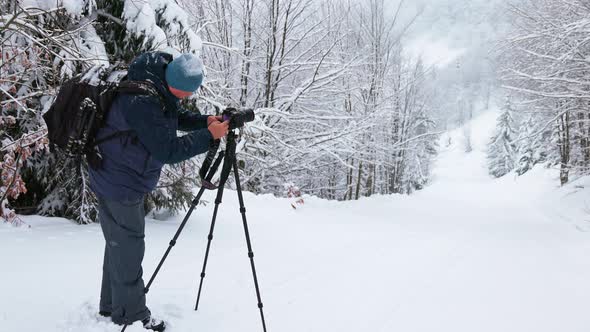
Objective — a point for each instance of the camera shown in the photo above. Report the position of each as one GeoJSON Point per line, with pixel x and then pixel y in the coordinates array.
{"type": "Point", "coordinates": [237, 117]}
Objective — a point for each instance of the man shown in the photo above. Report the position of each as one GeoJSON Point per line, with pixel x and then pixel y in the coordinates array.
{"type": "Point", "coordinates": [131, 168]}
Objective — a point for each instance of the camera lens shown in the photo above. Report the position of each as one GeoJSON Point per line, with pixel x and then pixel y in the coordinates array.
{"type": "Point", "coordinates": [237, 118]}
{"type": "Point", "coordinates": [247, 114]}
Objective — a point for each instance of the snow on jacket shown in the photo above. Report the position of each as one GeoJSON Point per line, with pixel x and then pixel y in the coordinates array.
{"type": "Point", "coordinates": [132, 163]}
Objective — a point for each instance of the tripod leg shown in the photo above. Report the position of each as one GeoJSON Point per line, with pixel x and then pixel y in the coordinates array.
{"type": "Point", "coordinates": [172, 243]}
{"type": "Point", "coordinates": [175, 238]}
{"type": "Point", "coordinates": [248, 242]}
{"type": "Point", "coordinates": [209, 239]}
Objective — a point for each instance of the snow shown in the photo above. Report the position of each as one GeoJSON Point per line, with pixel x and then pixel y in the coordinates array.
{"type": "Point", "coordinates": [468, 253]}
{"type": "Point", "coordinates": [569, 204]}
{"type": "Point", "coordinates": [73, 7]}
{"type": "Point", "coordinates": [142, 16]}
{"type": "Point", "coordinates": [92, 47]}
{"type": "Point", "coordinates": [179, 22]}
{"type": "Point", "coordinates": [191, 65]}
{"type": "Point", "coordinates": [141, 20]}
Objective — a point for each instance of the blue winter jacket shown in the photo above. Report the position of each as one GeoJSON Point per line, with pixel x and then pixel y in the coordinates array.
{"type": "Point", "coordinates": [132, 163]}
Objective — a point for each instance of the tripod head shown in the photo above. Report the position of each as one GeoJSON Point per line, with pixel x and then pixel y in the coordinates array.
{"type": "Point", "coordinates": [237, 118]}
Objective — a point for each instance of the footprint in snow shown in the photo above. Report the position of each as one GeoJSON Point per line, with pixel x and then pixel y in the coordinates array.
{"type": "Point", "coordinates": [173, 310]}
{"type": "Point", "coordinates": [85, 318]}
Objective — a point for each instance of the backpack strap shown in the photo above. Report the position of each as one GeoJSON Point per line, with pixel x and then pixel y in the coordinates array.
{"type": "Point", "coordinates": [133, 88]}
{"type": "Point", "coordinates": [141, 88]}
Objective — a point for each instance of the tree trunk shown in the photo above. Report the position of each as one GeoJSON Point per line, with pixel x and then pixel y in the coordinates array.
{"type": "Point", "coordinates": [564, 147]}
{"type": "Point", "coordinates": [348, 195]}
{"type": "Point", "coordinates": [358, 180]}
{"type": "Point", "coordinates": [247, 52]}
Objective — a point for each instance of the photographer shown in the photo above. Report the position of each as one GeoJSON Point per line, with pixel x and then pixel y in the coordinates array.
{"type": "Point", "coordinates": [131, 168]}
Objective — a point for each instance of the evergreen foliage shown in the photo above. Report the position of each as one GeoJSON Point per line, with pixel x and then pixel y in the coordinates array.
{"type": "Point", "coordinates": [502, 149]}
{"type": "Point", "coordinates": [531, 150]}
{"type": "Point", "coordinates": [45, 43]}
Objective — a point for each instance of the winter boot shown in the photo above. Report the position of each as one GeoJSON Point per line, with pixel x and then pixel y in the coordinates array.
{"type": "Point", "coordinates": [104, 313]}
{"type": "Point", "coordinates": [154, 324]}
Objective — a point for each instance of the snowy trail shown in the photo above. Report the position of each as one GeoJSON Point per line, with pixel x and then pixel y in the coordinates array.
{"type": "Point", "coordinates": [466, 254]}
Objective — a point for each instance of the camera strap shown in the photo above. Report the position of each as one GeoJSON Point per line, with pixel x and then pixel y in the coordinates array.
{"type": "Point", "coordinates": [209, 167]}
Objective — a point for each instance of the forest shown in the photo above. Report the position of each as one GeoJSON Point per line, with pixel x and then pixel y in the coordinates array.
{"type": "Point", "coordinates": [344, 108]}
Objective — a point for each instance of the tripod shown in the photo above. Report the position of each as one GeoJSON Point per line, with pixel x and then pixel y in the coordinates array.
{"type": "Point", "coordinates": [207, 172]}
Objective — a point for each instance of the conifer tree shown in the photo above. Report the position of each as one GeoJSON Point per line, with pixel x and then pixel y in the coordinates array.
{"type": "Point", "coordinates": [45, 43]}
{"type": "Point", "coordinates": [501, 148]}
{"type": "Point", "coordinates": [530, 150]}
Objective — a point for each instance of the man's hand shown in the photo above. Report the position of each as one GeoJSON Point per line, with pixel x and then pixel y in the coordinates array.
{"type": "Point", "coordinates": [218, 129]}
{"type": "Point", "coordinates": [211, 119]}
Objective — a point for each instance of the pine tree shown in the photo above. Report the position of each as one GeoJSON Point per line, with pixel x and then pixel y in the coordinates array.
{"type": "Point", "coordinates": [530, 150]}
{"type": "Point", "coordinates": [502, 149]}
{"type": "Point", "coordinates": [61, 39]}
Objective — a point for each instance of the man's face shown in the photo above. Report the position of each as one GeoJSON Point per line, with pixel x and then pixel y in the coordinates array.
{"type": "Point", "coordinates": [180, 93]}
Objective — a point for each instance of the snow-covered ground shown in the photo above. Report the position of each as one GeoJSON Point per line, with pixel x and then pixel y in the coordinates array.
{"type": "Point", "coordinates": [466, 254]}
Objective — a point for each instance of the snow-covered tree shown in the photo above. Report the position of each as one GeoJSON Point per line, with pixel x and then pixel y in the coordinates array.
{"type": "Point", "coordinates": [530, 147]}
{"type": "Point", "coordinates": [545, 65]}
{"type": "Point", "coordinates": [336, 100]}
{"type": "Point", "coordinates": [47, 42]}
{"type": "Point", "coordinates": [342, 112]}
{"type": "Point", "coordinates": [502, 148]}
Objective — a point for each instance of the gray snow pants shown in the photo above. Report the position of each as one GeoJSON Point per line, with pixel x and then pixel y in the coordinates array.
{"type": "Point", "coordinates": [122, 292]}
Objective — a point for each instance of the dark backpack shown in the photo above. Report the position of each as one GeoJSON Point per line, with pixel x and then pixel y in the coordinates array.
{"type": "Point", "coordinates": [81, 107]}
